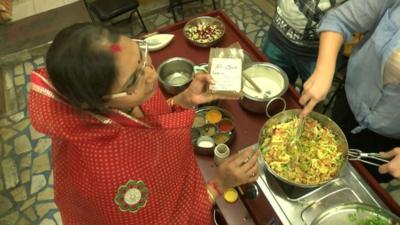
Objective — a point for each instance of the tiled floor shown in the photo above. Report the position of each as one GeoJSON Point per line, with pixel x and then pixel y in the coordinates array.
{"type": "Point", "coordinates": [26, 184]}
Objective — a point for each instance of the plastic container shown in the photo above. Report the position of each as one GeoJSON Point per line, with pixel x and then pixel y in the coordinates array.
{"type": "Point", "coordinates": [221, 152]}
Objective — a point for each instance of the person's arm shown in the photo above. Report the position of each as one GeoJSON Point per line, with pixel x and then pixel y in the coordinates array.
{"type": "Point", "coordinates": [338, 25]}
{"type": "Point", "coordinates": [393, 166]}
{"type": "Point", "coordinates": [354, 16]}
{"type": "Point", "coordinates": [317, 86]}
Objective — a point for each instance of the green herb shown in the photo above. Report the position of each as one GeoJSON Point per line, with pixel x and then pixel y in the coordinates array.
{"type": "Point", "coordinates": [375, 220]}
{"type": "Point", "coordinates": [353, 217]}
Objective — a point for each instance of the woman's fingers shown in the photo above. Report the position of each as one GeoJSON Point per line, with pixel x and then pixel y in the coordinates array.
{"type": "Point", "coordinates": [204, 77]}
{"type": "Point", "coordinates": [308, 108]}
{"type": "Point", "coordinates": [390, 154]}
{"type": "Point", "coordinates": [243, 157]}
{"type": "Point", "coordinates": [392, 167]}
{"type": "Point", "coordinates": [251, 163]}
{"type": "Point", "coordinates": [304, 98]}
{"type": "Point", "coordinates": [384, 168]}
{"type": "Point", "coordinates": [240, 168]}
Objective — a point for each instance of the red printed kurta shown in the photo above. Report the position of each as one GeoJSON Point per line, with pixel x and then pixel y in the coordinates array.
{"type": "Point", "coordinates": [95, 157]}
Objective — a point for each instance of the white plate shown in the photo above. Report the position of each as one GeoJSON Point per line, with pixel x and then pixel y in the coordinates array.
{"type": "Point", "coordinates": [158, 41]}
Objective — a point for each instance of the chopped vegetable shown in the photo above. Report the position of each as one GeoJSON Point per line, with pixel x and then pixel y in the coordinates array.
{"type": "Point", "coordinates": [319, 159]}
{"type": "Point", "coordinates": [375, 220]}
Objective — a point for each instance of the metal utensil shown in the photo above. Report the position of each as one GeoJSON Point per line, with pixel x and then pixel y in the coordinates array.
{"type": "Point", "coordinates": [270, 73]}
{"type": "Point", "coordinates": [283, 117]}
{"type": "Point", "coordinates": [255, 86]}
{"type": "Point", "coordinates": [356, 154]}
{"type": "Point", "coordinates": [293, 145]}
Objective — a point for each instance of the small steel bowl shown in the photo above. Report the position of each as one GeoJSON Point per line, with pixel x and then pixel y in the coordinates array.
{"type": "Point", "coordinates": [204, 150]}
{"type": "Point", "coordinates": [175, 74]}
{"type": "Point", "coordinates": [206, 20]}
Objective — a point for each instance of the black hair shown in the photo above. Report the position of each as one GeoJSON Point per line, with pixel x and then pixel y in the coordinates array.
{"type": "Point", "coordinates": [81, 66]}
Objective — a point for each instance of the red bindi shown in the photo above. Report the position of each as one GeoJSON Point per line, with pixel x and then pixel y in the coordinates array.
{"type": "Point", "coordinates": [115, 48]}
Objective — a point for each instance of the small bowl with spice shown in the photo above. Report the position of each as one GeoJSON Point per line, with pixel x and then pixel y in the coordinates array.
{"type": "Point", "coordinates": [212, 125]}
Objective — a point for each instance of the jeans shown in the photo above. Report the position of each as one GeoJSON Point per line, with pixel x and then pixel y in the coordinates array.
{"type": "Point", "coordinates": [294, 65]}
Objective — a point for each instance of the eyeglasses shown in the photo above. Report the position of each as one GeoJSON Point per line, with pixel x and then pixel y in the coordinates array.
{"type": "Point", "coordinates": [133, 80]}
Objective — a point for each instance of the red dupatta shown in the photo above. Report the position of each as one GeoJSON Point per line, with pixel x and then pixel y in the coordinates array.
{"type": "Point", "coordinates": [115, 169]}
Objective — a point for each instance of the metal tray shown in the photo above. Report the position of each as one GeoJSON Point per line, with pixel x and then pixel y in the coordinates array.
{"type": "Point", "coordinates": [225, 114]}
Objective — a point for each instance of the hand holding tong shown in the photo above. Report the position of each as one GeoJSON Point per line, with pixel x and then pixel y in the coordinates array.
{"type": "Point", "coordinates": [356, 154]}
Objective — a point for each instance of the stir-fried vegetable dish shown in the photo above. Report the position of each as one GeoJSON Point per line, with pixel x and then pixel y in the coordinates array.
{"type": "Point", "coordinates": [204, 33]}
{"type": "Point", "coordinates": [319, 157]}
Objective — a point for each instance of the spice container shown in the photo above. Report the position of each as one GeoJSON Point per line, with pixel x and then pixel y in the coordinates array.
{"type": "Point", "coordinates": [221, 152]}
{"type": "Point", "coordinates": [213, 116]}
{"type": "Point", "coordinates": [199, 121]}
{"type": "Point", "coordinates": [221, 138]}
{"type": "Point", "coordinates": [209, 130]}
{"type": "Point", "coordinates": [225, 125]}
{"type": "Point", "coordinates": [204, 144]}
{"type": "Point", "coordinates": [218, 127]}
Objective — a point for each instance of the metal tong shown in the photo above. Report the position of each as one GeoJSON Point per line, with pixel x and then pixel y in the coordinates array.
{"type": "Point", "coordinates": [356, 154]}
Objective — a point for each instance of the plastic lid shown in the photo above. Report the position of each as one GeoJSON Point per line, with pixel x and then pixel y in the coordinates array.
{"type": "Point", "coordinates": [231, 195]}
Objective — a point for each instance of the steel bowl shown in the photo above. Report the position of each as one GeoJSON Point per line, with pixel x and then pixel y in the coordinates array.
{"type": "Point", "coordinates": [325, 121]}
{"type": "Point", "coordinates": [355, 213]}
{"type": "Point", "coordinates": [273, 82]}
{"type": "Point", "coordinates": [206, 20]}
{"type": "Point", "coordinates": [175, 74]}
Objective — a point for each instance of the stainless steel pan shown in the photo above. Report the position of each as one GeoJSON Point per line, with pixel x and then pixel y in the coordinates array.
{"type": "Point", "coordinates": [325, 121]}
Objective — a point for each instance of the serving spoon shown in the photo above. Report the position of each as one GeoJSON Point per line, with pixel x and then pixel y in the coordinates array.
{"type": "Point", "coordinates": [253, 84]}
{"type": "Point", "coordinates": [293, 145]}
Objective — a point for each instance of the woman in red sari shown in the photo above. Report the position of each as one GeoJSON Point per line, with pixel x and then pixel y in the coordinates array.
{"type": "Point", "coordinates": [121, 152]}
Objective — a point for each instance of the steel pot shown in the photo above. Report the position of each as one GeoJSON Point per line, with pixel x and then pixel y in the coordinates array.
{"type": "Point", "coordinates": [175, 74]}
{"type": "Point", "coordinates": [325, 121]}
{"type": "Point", "coordinates": [273, 83]}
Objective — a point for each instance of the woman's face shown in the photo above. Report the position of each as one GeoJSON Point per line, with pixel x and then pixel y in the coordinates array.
{"type": "Point", "coordinates": [136, 79]}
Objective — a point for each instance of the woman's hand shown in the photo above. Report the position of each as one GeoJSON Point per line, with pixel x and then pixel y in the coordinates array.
{"type": "Point", "coordinates": [315, 90]}
{"type": "Point", "coordinates": [238, 169]}
{"type": "Point", "coordinates": [393, 166]}
{"type": "Point", "coordinates": [197, 93]}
